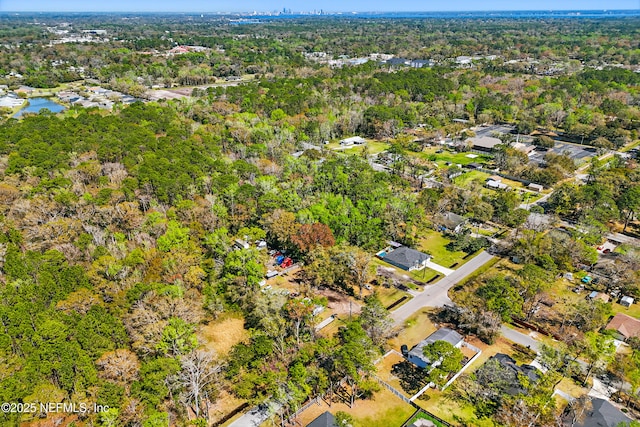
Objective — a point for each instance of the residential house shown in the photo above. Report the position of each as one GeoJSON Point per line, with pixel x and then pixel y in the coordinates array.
{"type": "Point", "coordinates": [324, 420]}
{"type": "Point", "coordinates": [626, 326]}
{"type": "Point", "coordinates": [525, 148]}
{"type": "Point", "coordinates": [495, 185]}
{"type": "Point", "coordinates": [395, 62]}
{"type": "Point", "coordinates": [422, 423]}
{"type": "Point", "coordinates": [514, 372]}
{"type": "Point", "coordinates": [419, 63]}
{"type": "Point", "coordinates": [484, 143]}
{"type": "Point", "coordinates": [354, 140]}
{"type": "Point", "coordinates": [451, 221]}
{"type": "Point", "coordinates": [416, 356]}
{"type": "Point", "coordinates": [405, 258]}
{"type": "Point", "coordinates": [601, 413]}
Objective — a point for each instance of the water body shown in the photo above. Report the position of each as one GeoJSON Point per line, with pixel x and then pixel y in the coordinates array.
{"type": "Point", "coordinates": [36, 105]}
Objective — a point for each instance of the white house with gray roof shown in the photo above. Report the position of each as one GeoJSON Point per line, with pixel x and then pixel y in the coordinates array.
{"type": "Point", "coordinates": [416, 356]}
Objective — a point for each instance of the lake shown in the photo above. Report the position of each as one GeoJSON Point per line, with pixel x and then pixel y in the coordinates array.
{"type": "Point", "coordinates": [37, 104]}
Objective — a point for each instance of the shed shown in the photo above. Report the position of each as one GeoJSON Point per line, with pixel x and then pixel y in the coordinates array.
{"type": "Point", "coordinates": [240, 244]}
{"type": "Point", "coordinates": [626, 301]}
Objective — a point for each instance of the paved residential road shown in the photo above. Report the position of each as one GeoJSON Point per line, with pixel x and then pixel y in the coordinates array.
{"type": "Point", "coordinates": [436, 295]}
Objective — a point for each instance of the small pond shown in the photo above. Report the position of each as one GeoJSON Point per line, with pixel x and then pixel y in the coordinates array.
{"type": "Point", "coordinates": [37, 104]}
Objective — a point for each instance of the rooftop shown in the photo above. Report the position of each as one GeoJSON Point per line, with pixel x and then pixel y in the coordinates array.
{"type": "Point", "coordinates": [324, 420]}
{"type": "Point", "coordinates": [442, 334]}
{"type": "Point", "coordinates": [601, 414]}
{"type": "Point", "coordinates": [485, 142]}
{"type": "Point", "coordinates": [626, 325]}
{"type": "Point", "coordinates": [406, 258]}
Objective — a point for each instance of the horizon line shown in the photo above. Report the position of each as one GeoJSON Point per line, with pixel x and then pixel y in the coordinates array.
{"type": "Point", "coordinates": [297, 12]}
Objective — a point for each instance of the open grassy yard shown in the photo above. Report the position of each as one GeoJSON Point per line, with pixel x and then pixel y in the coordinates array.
{"type": "Point", "coordinates": [633, 311]}
{"type": "Point", "coordinates": [469, 177]}
{"type": "Point", "coordinates": [373, 147]}
{"type": "Point", "coordinates": [456, 413]}
{"type": "Point", "coordinates": [434, 243]}
{"type": "Point", "coordinates": [447, 156]}
{"type": "Point", "coordinates": [384, 410]}
{"type": "Point", "coordinates": [403, 276]}
{"type": "Point", "coordinates": [390, 295]}
{"type": "Point", "coordinates": [223, 334]}
{"type": "Point", "coordinates": [415, 329]}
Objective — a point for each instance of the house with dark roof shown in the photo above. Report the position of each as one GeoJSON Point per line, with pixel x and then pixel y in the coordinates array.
{"type": "Point", "coordinates": [625, 326]}
{"type": "Point", "coordinates": [395, 62]}
{"type": "Point", "coordinates": [485, 143]}
{"type": "Point", "coordinates": [451, 221]}
{"type": "Point", "coordinates": [405, 258]}
{"type": "Point", "coordinates": [600, 413]}
{"type": "Point", "coordinates": [416, 356]}
{"type": "Point", "coordinates": [324, 420]}
{"type": "Point", "coordinates": [510, 365]}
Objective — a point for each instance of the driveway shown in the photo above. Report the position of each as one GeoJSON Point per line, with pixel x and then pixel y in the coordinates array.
{"type": "Point", "coordinates": [257, 415]}
{"type": "Point", "coordinates": [436, 295]}
{"type": "Point", "coordinates": [440, 269]}
{"type": "Point", "coordinates": [520, 338]}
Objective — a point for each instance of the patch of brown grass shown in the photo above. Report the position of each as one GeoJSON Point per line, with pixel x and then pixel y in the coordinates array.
{"type": "Point", "coordinates": [384, 410]}
{"type": "Point", "coordinates": [223, 334]}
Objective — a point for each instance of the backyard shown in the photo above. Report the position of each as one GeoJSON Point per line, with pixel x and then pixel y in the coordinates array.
{"type": "Point", "coordinates": [384, 410]}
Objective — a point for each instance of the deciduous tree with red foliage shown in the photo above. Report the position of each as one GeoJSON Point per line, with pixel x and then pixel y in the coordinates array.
{"type": "Point", "coordinates": [310, 236]}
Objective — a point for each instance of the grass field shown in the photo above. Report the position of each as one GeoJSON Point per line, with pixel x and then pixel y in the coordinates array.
{"type": "Point", "coordinates": [223, 334]}
{"type": "Point", "coordinates": [434, 243]}
{"type": "Point", "coordinates": [451, 157]}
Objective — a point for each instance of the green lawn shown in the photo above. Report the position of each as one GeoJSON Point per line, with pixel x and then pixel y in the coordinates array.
{"type": "Point", "coordinates": [374, 147]}
{"type": "Point", "coordinates": [390, 295]}
{"type": "Point", "coordinates": [423, 275]}
{"type": "Point", "coordinates": [451, 156]}
{"type": "Point", "coordinates": [434, 243]}
{"type": "Point", "coordinates": [633, 311]}
{"type": "Point", "coordinates": [451, 411]}
{"type": "Point", "coordinates": [467, 178]}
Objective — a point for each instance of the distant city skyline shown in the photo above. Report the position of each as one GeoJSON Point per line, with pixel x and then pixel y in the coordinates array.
{"type": "Point", "coordinates": [326, 5]}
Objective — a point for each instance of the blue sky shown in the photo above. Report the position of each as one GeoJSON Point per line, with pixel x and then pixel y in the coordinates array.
{"type": "Point", "coordinates": [329, 5]}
